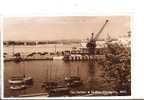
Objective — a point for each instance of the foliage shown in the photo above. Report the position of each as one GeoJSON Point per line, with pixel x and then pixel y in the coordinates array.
{"type": "Point", "coordinates": [117, 66]}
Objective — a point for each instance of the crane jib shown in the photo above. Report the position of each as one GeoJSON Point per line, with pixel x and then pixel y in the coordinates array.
{"type": "Point", "coordinates": [100, 31]}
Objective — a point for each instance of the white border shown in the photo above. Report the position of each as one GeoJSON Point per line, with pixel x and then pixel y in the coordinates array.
{"type": "Point", "coordinates": [82, 14]}
{"type": "Point", "coordinates": [2, 67]}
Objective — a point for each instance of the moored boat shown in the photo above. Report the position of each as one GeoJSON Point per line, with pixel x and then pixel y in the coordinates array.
{"type": "Point", "coordinates": [59, 91]}
{"type": "Point", "coordinates": [20, 79]}
{"type": "Point", "coordinates": [18, 87]}
{"type": "Point", "coordinates": [73, 81]}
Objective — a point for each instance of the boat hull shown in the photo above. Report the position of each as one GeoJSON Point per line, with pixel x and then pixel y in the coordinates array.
{"type": "Point", "coordinates": [20, 87]}
{"type": "Point", "coordinates": [20, 81]}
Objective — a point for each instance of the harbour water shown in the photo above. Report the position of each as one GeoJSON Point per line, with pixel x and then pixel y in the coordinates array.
{"type": "Point", "coordinates": [57, 71]}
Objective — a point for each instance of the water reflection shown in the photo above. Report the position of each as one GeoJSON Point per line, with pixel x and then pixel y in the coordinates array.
{"type": "Point", "coordinates": [91, 74]}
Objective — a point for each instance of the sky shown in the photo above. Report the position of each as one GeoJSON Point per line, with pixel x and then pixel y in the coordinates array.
{"type": "Point", "coordinates": [63, 27]}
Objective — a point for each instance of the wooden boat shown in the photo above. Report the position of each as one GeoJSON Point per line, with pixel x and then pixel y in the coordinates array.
{"type": "Point", "coordinates": [72, 78]}
{"type": "Point", "coordinates": [18, 87]}
{"type": "Point", "coordinates": [60, 91]}
{"type": "Point", "coordinates": [16, 79]}
{"type": "Point", "coordinates": [20, 79]}
{"type": "Point", "coordinates": [73, 81]}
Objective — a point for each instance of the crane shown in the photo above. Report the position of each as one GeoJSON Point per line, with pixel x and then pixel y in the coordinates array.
{"type": "Point", "coordinates": [91, 45]}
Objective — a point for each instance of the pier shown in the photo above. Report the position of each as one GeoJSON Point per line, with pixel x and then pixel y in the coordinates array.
{"type": "Point", "coordinates": [83, 57]}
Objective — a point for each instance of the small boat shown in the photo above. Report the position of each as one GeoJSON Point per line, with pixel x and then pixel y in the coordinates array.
{"type": "Point", "coordinates": [16, 79]}
{"type": "Point", "coordinates": [72, 78]}
{"type": "Point", "coordinates": [18, 87]}
{"type": "Point", "coordinates": [20, 79]}
{"type": "Point", "coordinates": [73, 81]}
{"type": "Point", "coordinates": [60, 91]}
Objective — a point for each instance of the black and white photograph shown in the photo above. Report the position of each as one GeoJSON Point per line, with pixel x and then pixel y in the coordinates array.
{"type": "Point", "coordinates": [66, 56]}
{"type": "Point", "coordinates": [71, 49]}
